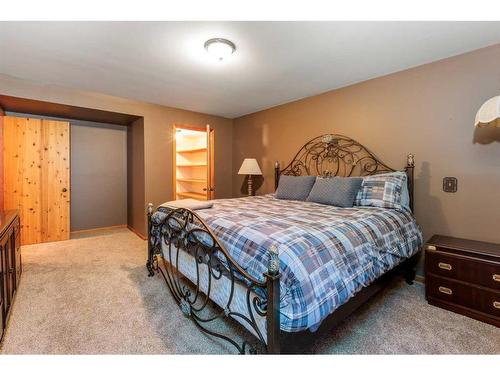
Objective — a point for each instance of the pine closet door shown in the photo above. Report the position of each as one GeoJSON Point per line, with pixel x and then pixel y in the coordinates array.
{"type": "Point", "coordinates": [37, 177]}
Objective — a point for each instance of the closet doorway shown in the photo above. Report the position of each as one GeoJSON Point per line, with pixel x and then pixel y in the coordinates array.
{"type": "Point", "coordinates": [37, 177]}
{"type": "Point", "coordinates": [193, 162]}
{"type": "Point", "coordinates": [104, 187]}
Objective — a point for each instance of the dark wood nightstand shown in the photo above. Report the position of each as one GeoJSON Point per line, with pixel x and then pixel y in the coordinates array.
{"type": "Point", "coordinates": [464, 276]}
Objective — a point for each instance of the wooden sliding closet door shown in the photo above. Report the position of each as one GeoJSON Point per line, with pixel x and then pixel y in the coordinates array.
{"type": "Point", "coordinates": [55, 181]}
{"type": "Point", "coordinates": [36, 177]}
{"type": "Point", "coordinates": [22, 174]}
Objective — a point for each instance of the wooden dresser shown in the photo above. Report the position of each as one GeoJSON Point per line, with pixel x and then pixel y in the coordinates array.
{"type": "Point", "coordinates": [10, 263]}
{"type": "Point", "coordinates": [464, 276]}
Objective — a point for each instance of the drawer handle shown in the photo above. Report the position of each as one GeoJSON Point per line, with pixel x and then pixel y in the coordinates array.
{"type": "Point", "coordinates": [496, 277]}
{"type": "Point", "coordinates": [431, 247]}
{"type": "Point", "coordinates": [444, 266]}
{"type": "Point", "coordinates": [444, 290]}
{"type": "Point", "coordinates": [496, 304]}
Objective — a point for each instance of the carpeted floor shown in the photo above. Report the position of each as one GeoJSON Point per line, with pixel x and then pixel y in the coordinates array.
{"type": "Point", "coordinates": [92, 296]}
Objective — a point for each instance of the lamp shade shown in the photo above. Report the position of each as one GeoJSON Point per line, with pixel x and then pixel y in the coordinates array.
{"type": "Point", "coordinates": [250, 166]}
{"type": "Point", "coordinates": [489, 113]}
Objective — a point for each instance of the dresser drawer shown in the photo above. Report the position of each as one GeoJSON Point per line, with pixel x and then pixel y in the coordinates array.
{"type": "Point", "coordinates": [469, 269]}
{"type": "Point", "coordinates": [484, 300]}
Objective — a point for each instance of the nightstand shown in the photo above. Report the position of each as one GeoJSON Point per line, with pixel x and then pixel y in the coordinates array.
{"type": "Point", "coordinates": [464, 276]}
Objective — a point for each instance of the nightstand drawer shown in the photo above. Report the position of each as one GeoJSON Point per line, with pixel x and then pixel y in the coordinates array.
{"type": "Point", "coordinates": [463, 268]}
{"type": "Point", "coordinates": [479, 299]}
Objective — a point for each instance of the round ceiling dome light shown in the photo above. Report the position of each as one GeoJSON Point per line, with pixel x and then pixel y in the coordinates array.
{"type": "Point", "coordinates": [220, 48]}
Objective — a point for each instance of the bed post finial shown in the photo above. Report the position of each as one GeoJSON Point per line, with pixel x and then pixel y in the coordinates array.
{"type": "Point", "coordinates": [149, 263]}
{"type": "Point", "coordinates": [276, 174]}
{"type": "Point", "coordinates": [410, 166]}
{"type": "Point", "coordinates": [273, 265]}
{"type": "Point", "coordinates": [410, 160]}
{"type": "Point", "coordinates": [273, 301]}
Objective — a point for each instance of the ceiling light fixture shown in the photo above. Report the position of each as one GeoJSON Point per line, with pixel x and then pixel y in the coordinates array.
{"type": "Point", "coordinates": [220, 48]}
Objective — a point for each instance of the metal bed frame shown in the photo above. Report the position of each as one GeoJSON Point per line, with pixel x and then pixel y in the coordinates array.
{"type": "Point", "coordinates": [184, 230]}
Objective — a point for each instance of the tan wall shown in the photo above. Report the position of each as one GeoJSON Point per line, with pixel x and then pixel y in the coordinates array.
{"type": "Point", "coordinates": [428, 111]}
{"type": "Point", "coordinates": [98, 175]}
{"type": "Point", "coordinates": [158, 122]}
{"type": "Point", "coordinates": [135, 174]}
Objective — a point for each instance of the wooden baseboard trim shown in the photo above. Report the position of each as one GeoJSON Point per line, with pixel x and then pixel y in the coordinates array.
{"type": "Point", "coordinates": [141, 236]}
{"type": "Point", "coordinates": [100, 228]}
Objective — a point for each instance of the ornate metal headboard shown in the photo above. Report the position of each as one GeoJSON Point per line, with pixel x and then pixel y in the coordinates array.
{"type": "Point", "coordinates": [337, 155]}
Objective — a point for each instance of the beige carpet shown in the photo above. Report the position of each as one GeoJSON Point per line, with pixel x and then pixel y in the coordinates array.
{"type": "Point", "coordinates": [92, 296]}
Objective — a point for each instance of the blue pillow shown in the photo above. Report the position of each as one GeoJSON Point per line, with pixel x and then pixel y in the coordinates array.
{"type": "Point", "coordinates": [295, 188]}
{"type": "Point", "coordinates": [335, 191]}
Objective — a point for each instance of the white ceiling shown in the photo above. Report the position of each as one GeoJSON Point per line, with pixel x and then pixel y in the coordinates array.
{"type": "Point", "coordinates": [275, 62]}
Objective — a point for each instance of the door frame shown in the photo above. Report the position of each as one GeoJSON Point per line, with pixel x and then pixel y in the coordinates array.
{"type": "Point", "coordinates": [210, 156]}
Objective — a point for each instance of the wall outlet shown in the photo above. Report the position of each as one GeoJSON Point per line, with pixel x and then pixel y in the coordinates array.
{"type": "Point", "coordinates": [450, 184]}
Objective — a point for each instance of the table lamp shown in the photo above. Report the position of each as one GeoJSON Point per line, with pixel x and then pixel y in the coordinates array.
{"type": "Point", "coordinates": [251, 168]}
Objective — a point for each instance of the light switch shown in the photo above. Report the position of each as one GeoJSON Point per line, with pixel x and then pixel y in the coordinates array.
{"type": "Point", "coordinates": [450, 184]}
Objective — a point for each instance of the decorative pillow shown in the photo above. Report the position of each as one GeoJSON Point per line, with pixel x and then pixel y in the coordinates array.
{"type": "Point", "coordinates": [295, 188]}
{"type": "Point", "coordinates": [405, 194]}
{"type": "Point", "coordinates": [335, 191]}
{"type": "Point", "coordinates": [383, 190]}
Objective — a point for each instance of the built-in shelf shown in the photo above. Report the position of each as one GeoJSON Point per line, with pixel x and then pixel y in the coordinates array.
{"type": "Point", "coordinates": [193, 180]}
{"type": "Point", "coordinates": [191, 150]}
{"type": "Point", "coordinates": [193, 165]}
{"type": "Point", "coordinates": [192, 162]}
{"type": "Point", "coordinates": [187, 194]}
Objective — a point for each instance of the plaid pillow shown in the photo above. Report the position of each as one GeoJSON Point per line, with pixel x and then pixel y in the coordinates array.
{"type": "Point", "coordinates": [381, 191]}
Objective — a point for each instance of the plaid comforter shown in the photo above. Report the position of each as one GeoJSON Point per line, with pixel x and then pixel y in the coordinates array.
{"type": "Point", "coordinates": [327, 254]}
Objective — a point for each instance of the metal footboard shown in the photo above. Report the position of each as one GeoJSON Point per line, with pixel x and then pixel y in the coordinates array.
{"type": "Point", "coordinates": [181, 229]}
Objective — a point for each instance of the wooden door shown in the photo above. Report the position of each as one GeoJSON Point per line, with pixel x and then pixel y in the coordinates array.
{"type": "Point", "coordinates": [22, 174]}
{"type": "Point", "coordinates": [55, 181]}
{"type": "Point", "coordinates": [193, 162]}
{"type": "Point", "coordinates": [36, 177]}
{"type": "Point", "coordinates": [210, 164]}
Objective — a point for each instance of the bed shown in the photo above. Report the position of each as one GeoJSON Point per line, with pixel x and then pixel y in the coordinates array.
{"type": "Point", "coordinates": [284, 269]}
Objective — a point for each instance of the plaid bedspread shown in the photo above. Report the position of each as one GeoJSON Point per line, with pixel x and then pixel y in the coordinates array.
{"type": "Point", "coordinates": [327, 254]}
